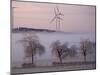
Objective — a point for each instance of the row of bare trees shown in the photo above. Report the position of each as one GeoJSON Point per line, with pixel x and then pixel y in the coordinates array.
{"type": "Point", "coordinates": [62, 50]}
{"type": "Point", "coordinates": [33, 46]}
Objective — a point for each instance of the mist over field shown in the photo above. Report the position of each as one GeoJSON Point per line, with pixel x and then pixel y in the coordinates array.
{"type": "Point", "coordinates": [46, 39]}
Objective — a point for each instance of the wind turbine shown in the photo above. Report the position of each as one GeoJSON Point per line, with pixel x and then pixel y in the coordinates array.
{"type": "Point", "coordinates": [57, 17]}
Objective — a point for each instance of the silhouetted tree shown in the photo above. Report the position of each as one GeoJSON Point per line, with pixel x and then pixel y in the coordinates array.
{"type": "Point", "coordinates": [87, 47]}
{"type": "Point", "coordinates": [73, 51]}
{"type": "Point", "coordinates": [68, 51]}
{"type": "Point", "coordinates": [63, 51]}
{"type": "Point", "coordinates": [56, 48]}
{"type": "Point", "coordinates": [32, 46]}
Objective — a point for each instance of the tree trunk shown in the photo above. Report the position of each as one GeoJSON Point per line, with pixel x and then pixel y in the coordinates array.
{"type": "Point", "coordinates": [60, 59]}
{"type": "Point", "coordinates": [84, 51]}
{"type": "Point", "coordinates": [32, 58]}
{"type": "Point", "coordinates": [59, 55]}
{"type": "Point", "coordinates": [85, 59]}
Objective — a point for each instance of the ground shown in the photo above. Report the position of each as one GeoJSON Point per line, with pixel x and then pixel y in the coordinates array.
{"type": "Point", "coordinates": [69, 67]}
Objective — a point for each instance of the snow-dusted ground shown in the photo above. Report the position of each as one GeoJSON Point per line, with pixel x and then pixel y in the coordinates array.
{"type": "Point", "coordinates": [46, 39]}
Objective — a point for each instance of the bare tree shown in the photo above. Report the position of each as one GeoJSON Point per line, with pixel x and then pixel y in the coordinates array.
{"type": "Point", "coordinates": [32, 46]}
{"type": "Point", "coordinates": [87, 47]}
{"type": "Point", "coordinates": [73, 51]}
{"type": "Point", "coordinates": [83, 47]}
{"type": "Point", "coordinates": [56, 48]}
{"type": "Point", "coordinates": [63, 51]}
{"type": "Point", "coordinates": [68, 51]}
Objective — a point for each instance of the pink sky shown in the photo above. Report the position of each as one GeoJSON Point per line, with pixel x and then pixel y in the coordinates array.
{"type": "Point", "coordinates": [38, 15]}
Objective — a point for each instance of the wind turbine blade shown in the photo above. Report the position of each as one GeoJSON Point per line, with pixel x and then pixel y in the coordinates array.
{"type": "Point", "coordinates": [57, 8]}
{"type": "Point", "coordinates": [53, 19]}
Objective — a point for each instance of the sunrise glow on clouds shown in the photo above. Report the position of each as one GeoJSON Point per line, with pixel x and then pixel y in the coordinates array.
{"type": "Point", "coordinates": [38, 15]}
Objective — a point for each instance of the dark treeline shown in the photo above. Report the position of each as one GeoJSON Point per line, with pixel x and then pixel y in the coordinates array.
{"type": "Point", "coordinates": [23, 29]}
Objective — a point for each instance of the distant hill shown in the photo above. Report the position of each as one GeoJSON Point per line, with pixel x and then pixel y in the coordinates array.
{"type": "Point", "coordinates": [23, 29]}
